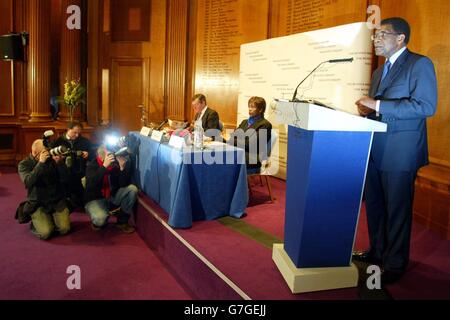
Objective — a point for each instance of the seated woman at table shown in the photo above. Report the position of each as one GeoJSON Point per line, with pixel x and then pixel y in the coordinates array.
{"type": "Point", "coordinates": [254, 133]}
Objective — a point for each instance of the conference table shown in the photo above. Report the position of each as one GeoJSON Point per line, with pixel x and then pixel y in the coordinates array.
{"type": "Point", "coordinates": [191, 184]}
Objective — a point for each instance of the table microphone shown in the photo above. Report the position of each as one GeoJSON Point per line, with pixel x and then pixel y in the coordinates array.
{"type": "Point", "coordinates": [161, 125]}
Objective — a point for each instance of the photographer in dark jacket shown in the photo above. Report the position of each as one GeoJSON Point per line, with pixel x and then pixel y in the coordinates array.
{"type": "Point", "coordinates": [45, 203]}
{"type": "Point", "coordinates": [76, 161]}
{"type": "Point", "coordinates": [108, 185]}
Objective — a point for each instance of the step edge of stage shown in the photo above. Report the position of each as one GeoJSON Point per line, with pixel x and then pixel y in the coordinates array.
{"type": "Point", "coordinates": [194, 251]}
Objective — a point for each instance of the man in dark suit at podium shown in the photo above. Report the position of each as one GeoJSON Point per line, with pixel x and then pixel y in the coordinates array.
{"type": "Point", "coordinates": [403, 94]}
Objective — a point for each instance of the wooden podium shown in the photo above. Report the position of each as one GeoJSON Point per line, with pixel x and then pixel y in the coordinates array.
{"type": "Point", "coordinates": [328, 153]}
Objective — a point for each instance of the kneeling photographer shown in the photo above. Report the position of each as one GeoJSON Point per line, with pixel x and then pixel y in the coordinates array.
{"type": "Point", "coordinates": [43, 173]}
{"type": "Point", "coordinates": [80, 152]}
{"type": "Point", "coordinates": [108, 186]}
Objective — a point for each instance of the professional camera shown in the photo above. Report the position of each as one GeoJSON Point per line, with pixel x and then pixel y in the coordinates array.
{"type": "Point", "coordinates": [59, 151]}
{"type": "Point", "coordinates": [46, 138]}
{"type": "Point", "coordinates": [120, 153]}
{"type": "Point", "coordinates": [117, 146]}
{"type": "Point", "coordinates": [71, 156]}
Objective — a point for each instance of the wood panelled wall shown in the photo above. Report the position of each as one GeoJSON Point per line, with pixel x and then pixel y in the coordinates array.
{"type": "Point", "coordinates": [159, 53]}
{"type": "Point", "coordinates": [39, 76]}
{"type": "Point", "coordinates": [221, 27]}
{"type": "Point", "coordinates": [133, 61]}
{"type": "Point", "coordinates": [176, 58]}
{"type": "Point", "coordinates": [6, 67]}
{"type": "Point", "coordinates": [296, 16]}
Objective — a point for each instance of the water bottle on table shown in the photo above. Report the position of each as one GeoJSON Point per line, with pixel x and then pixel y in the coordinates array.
{"type": "Point", "coordinates": [198, 136]}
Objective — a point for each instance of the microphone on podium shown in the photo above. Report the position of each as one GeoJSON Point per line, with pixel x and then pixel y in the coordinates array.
{"type": "Point", "coordinates": [341, 60]}
{"type": "Point", "coordinates": [294, 97]}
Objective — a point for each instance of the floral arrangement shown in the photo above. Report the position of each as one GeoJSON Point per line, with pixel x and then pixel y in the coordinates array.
{"type": "Point", "coordinates": [73, 95]}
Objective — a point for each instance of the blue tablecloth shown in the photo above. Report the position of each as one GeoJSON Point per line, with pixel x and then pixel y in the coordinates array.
{"type": "Point", "coordinates": [189, 184]}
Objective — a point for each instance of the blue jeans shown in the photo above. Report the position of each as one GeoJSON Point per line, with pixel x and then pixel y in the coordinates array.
{"type": "Point", "coordinates": [125, 197]}
{"type": "Point", "coordinates": [45, 224]}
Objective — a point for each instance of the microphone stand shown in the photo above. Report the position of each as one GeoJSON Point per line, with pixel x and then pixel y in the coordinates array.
{"type": "Point", "coordinates": [294, 97]}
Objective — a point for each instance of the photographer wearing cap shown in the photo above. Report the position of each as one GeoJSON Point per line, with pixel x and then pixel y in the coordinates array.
{"type": "Point", "coordinates": [76, 160]}
{"type": "Point", "coordinates": [108, 185]}
{"type": "Point", "coordinates": [46, 206]}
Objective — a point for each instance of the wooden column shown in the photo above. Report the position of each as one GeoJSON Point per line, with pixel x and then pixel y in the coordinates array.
{"type": "Point", "coordinates": [70, 68]}
{"type": "Point", "coordinates": [20, 72]}
{"type": "Point", "coordinates": [176, 59]}
{"type": "Point", "coordinates": [93, 70]}
{"type": "Point", "coordinates": [39, 60]}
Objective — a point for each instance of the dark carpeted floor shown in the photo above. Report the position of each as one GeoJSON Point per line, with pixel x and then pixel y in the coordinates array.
{"type": "Point", "coordinates": [119, 266]}
{"type": "Point", "coordinates": [428, 275]}
{"type": "Point", "coordinates": [113, 265]}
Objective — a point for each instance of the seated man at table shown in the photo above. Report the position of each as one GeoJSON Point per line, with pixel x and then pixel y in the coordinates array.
{"type": "Point", "coordinates": [254, 133]}
{"type": "Point", "coordinates": [108, 185]}
{"type": "Point", "coordinates": [206, 117]}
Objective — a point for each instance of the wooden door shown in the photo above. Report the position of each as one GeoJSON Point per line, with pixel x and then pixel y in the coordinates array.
{"type": "Point", "coordinates": [136, 53]}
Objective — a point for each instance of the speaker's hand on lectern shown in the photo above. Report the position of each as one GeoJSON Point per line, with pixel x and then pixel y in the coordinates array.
{"type": "Point", "coordinates": [366, 106]}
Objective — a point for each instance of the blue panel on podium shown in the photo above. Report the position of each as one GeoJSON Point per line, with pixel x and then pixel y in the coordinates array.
{"type": "Point", "coordinates": [325, 178]}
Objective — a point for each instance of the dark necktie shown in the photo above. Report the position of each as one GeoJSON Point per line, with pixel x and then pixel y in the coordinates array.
{"type": "Point", "coordinates": [387, 67]}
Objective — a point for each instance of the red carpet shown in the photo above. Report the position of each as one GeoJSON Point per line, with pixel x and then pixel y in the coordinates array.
{"type": "Point", "coordinates": [118, 266]}
{"type": "Point", "coordinates": [113, 265]}
{"type": "Point", "coordinates": [428, 274]}
{"type": "Point", "coordinates": [249, 264]}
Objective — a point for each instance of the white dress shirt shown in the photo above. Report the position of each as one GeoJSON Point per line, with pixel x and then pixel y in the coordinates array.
{"type": "Point", "coordinates": [202, 113]}
{"type": "Point", "coordinates": [392, 60]}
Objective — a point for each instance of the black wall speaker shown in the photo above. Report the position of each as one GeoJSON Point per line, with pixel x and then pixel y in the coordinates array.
{"type": "Point", "coordinates": [12, 47]}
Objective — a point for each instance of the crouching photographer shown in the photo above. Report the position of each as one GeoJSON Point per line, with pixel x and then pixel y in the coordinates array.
{"type": "Point", "coordinates": [43, 174]}
{"type": "Point", "coordinates": [108, 186]}
{"type": "Point", "coordinates": [78, 154]}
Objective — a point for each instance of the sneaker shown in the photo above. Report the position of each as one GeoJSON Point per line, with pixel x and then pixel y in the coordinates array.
{"type": "Point", "coordinates": [125, 227]}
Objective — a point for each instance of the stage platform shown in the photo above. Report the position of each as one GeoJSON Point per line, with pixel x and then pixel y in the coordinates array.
{"type": "Point", "coordinates": [222, 259]}
{"type": "Point", "coordinates": [231, 258]}
{"type": "Point", "coordinates": [226, 258]}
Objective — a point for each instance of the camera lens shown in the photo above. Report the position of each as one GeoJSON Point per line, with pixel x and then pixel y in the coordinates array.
{"type": "Point", "coordinates": [58, 151]}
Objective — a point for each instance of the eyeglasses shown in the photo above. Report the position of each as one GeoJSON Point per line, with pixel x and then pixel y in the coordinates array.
{"type": "Point", "coordinates": [382, 35]}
